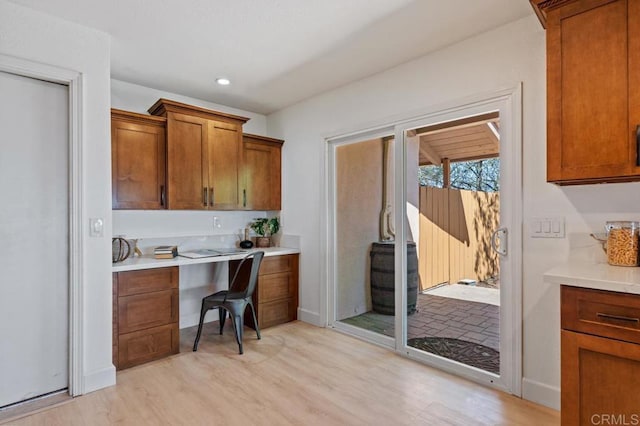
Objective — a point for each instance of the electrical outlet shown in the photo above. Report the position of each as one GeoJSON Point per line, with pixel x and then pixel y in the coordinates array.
{"type": "Point", "coordinates": [217, 224]}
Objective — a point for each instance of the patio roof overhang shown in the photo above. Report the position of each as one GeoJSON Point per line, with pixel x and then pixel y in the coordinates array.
{"type": "Point", "coordinates": [471, 138]}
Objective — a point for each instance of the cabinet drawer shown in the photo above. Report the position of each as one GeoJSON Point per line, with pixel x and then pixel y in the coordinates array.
{"type": "Point", "coordinates": [148, 280]}
{"type": "Point", "coordinates": [274, 286]}
{"type": "Point", "coordinates": [146, 345]}
{"type": "Point", "coordinates": [142, 311]}
{"type": "Point", "coordinates": [278, 312]}
{"type": "Point", "coordinates": [274, 264]}
{"type": "Point", "coordinates": [601, 313]}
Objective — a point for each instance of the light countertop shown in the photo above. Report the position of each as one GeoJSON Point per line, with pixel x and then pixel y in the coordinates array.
{"type": "Point", "coordinates": [599, 276]}
{"type": "Point", "coordinates": [149, 262]}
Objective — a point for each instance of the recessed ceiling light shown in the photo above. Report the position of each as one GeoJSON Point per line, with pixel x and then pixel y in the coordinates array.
{"type": "Point", "coordinates": [223, 81]}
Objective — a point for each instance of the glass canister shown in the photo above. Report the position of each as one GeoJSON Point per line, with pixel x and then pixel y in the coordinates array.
{"type": "Point", "coordinates": [622, 243]}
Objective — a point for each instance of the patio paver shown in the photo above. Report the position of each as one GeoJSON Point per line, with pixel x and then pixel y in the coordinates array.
{"type": "Point", "coordinates": [437, 316]}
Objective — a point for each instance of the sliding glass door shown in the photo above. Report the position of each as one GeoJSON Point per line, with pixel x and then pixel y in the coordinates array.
{"type": "Point", "coordinates": [424, 238]}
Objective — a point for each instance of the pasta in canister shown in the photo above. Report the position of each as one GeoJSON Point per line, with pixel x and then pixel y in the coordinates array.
{"type": "Point", "coordinates": [622, 243]}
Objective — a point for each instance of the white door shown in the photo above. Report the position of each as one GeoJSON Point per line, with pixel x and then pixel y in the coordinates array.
{"type": "Point", "coordinates": [34, 238]}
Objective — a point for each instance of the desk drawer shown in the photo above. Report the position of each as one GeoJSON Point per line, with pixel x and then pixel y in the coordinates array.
{"type": "Point", "coordinates": [274, 264]}
{"type": "Point", "coordinates": [147, 280]}
{"type": "Point", "coordinates": [278, 312]}
{"type": "Point", "coordinates": [274, 286]}
{"type": "Point", "coordinates": [142, 311]}
{"type": "Point", "coordinates": [601, 313]}
{"type": "Point", "coordinates": [147, 345]}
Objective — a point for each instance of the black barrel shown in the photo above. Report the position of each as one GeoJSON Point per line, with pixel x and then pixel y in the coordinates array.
{"type": "Point", "coordinates": [383, 277]}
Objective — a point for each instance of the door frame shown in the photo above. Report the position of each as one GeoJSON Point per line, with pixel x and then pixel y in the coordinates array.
{"type": "Point", "coordinates": [73, 80]}
{"type": "Point", "coordinates": [509, 104]}
{"type": "Point", "coordinates": [332, 258]}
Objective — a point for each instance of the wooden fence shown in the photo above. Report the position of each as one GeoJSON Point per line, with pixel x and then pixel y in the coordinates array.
{"type": "Point", "coordinates": [455, 235]}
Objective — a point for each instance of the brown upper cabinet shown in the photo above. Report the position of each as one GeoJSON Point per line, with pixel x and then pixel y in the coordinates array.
{"type": "Point", "coordinates": [262, 165]}
{"type": "Point", "coordinates": [593, 90]}
{"type": "Point", "coordinates": [204, 156]}
{"type": "Point", "coordinates": [137, 161]}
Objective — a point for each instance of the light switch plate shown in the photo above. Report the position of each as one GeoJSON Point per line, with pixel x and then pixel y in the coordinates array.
{"type": "Point", "coordinates": [547, 227]}
{"type": "Point", "coordinates": [96, 227]}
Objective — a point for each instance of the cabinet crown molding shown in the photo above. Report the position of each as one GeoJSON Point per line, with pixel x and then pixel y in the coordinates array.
{"type": "Point", "coordinates": [542, 6]}
{"type": "Point", "coordinates": [135, 117]}
{"type": "Point", "coordinates": [164, 106]}
{"type": "Point", "coordinates": [264, 139]}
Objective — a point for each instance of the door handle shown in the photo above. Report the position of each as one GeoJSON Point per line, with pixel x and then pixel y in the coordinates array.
{"type": "Point", "coordinates": [204, 195]}
{"type": "Point", "coordinates": [162, 195]}
{"type": "Point", "coordinates": [502, 244]}
{"type": "Point", "coordinates": [244, 198]}
{"type": "Point", "coordinates": [211, 197]}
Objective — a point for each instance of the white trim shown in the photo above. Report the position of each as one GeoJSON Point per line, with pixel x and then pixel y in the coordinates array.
{"type": "Point", "coordinates": [73, 80]}
{"type": "Point", "coordinates": [310, 317]}
{"type": "Point", "coordinates": [99, 379]}
{"type": "Point", "coordinates": [541, 393]}
{"type": "Point", "coordinates": [327, 293]}
{"type": "Point", "coordinates": [366, 335]}
{"type": "Point", "coordinates": [459, 369]}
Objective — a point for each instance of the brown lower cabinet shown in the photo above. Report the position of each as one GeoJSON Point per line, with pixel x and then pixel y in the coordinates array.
{"type": "Point", "coordinates": [276, 295]}
{"type": "Point", "coordinates": [145, 313]}
{"type": "Point", "coordinates": [600, 341]}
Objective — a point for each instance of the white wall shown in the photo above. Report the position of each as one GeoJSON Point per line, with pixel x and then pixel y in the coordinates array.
{"type": "Point", "coordinates": [136, 98]}
{"type": "Point", "coordinates": [488, 62]}
{"type": "Point", "coordinates": [41, 38]}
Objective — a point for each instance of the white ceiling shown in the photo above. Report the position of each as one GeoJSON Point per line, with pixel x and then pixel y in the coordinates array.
{"type": "Point", "coordinates": [276, 52]}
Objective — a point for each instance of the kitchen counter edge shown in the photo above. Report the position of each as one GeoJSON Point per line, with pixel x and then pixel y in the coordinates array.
{"type": "Point", "coordinates": [598, 276]}
{"type": "Point", "coordinates": [149, 262]}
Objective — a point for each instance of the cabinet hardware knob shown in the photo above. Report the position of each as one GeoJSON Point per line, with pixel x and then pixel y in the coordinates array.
{"type": "Point", "coordinates": [617, 317]}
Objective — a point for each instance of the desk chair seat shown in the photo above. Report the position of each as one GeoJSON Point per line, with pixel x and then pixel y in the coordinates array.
{"type": "Point", "coordinates": [234, 301]}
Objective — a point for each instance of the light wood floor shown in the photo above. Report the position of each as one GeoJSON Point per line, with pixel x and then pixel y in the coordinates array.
{"type": "Point", "coordinates": [296, 375]}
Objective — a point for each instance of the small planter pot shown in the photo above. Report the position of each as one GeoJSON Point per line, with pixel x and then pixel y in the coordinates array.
{"type": "Point", "coordinates": [263, 242]}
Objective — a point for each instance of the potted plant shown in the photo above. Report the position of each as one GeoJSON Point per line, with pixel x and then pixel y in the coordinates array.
{"type": "Point", "coordinates": [265, 228]}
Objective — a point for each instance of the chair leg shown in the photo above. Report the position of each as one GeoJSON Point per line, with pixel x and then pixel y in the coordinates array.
{"type": "Point", "coordinates": [222, 316]}
{"type": "Point", "coordinates": [203, 311]}
{"type": "Point", "coordinates": [255, 321]}
{"type": "Point", "coordinates": [239, 328]}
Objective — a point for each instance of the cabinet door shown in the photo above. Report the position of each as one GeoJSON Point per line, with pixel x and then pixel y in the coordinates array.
{"type": "Point", "coordinates": [225, 158]}
{"type": "Point", "coordinates": [187, 163]}
{"type": "Point", "coordinates": [600, 377]}
{"type": "Point", "coordinates": [137, 164]}
{"type": "Point", "coordinates": [262, 176]}
{"type": "Point", "coordinates": [146, 345]}
{"type": "Point", "coordinates": [592, 110]}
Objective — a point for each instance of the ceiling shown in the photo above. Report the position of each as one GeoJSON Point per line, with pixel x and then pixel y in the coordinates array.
{"type": "Point", "coordinates": [276, 52]}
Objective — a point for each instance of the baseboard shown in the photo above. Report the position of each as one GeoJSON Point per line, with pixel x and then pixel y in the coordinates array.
{"type": "Point", "coordinates": [541, 393]}
{"type": "Point", "coordinates": [99, 379]}
{"type": "Point", "coordinates": [310, 317]}
{"type": "Point", "coordinates": [194, 319]}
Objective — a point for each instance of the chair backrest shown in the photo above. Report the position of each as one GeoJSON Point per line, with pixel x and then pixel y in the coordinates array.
{"type": "Point", "coordinates": [256, 258]}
